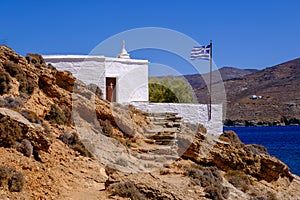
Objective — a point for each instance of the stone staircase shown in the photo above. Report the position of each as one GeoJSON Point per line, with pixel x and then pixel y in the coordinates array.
{"type": "Point", "coordinates": [163, 129]}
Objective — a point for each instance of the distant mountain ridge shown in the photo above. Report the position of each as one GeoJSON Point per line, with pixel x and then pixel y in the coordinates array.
{"type": "Point", "coordinates": [197, 80]}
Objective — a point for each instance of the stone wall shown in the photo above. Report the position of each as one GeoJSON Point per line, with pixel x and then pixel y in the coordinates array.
{"type": "Point", "coordinates": [192, 113]}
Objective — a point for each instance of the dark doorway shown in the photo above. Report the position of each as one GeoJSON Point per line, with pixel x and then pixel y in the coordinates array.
{"type": "Point", "coordinates": [111, 89]}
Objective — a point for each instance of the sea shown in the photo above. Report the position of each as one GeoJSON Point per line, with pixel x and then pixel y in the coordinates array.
{"type": "Point", "coordinates": [282, 142]}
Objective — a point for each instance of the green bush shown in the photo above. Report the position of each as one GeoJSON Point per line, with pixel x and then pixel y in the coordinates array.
{"type": "Point", "coordinates": [161, 94]}
{"type": "Point", "coordinates": [171, 89]}
{"type": "Point", "coordinates": [26, 84]}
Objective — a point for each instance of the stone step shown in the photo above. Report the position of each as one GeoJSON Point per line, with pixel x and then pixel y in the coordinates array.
{"type": "Point", "coordinates": [167, 124]}
{"type": "Point", "coordinates": [158, 130]}
{"type": "Point", "coordinates": [163, 119]}
{"type": "Point", "coordinates": [166, 142]}
{"type": "Point", "coordinates": [164, 114]}
{"type": "Point", "coordinates": [159, 137]}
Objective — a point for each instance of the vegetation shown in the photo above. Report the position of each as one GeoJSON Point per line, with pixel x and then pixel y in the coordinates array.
{"type": "Point", "coordinates": [56, 115]}
{"type": "Point", "coordinates": [126, 190]}
{"type": "Point", "coordinates": [73, 141]}
{"type": "Point", "coordinates": [26, 148]}
{"type": "Point", "coordinates": [26, 84]}
{"type": "Point", "coordinates": [95, 89]}
{"type": "Point", "coordinates": [16, 182]}
{"type": "Point", "coordinates": [31, 116]}
{"type": "Point", "coordinates": [170, 90]}
{"type": "Point", "coordinates": [12, 102]}
{"type": "Point", "coordinates": [9, 135]}
{"type": "Point", "coordinates": [36, 59]}
{"type": "Point", "coordinates": [210, 179]}
{"type": "Point", "coordinates": [238, 179]}
{"type": "Point", "coordinates": [11, 178]}
{"type": "Point", "coordinates": [107, 127]}
{"type": "Point", "coordinates": [4, 82]}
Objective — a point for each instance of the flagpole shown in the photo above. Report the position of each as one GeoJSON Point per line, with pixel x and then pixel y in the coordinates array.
{"type": "Point", "coordinates": [210, 81]}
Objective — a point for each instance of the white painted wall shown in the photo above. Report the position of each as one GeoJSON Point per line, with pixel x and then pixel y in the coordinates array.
{"type": "Point", "coordinates": [131, 74]}
{"type": "Point", "coordinates": [192, 113]}
{"type": "Point", "coordinates": [132, 78]}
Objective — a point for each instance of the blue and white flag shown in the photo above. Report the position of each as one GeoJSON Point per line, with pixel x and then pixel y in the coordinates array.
{"type": "Point", "coordinates": [201, 52]}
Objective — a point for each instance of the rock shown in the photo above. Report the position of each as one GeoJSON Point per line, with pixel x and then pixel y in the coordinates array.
{"type": "Point", "coordinates": [65, 80]}
{"type": "Point", "coordinates": [233, 156]}
{"type": "Point", "coordinates": [15, 128]}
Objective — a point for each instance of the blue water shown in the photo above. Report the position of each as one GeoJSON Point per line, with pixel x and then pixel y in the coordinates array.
{"type": "Point", "coordinates": [282, 142]}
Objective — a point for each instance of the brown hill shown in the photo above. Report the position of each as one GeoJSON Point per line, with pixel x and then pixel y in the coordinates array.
{"type": "Point", "coordinates": [278, 87]}
{"type": "Point", "coordinates": [59, 140]}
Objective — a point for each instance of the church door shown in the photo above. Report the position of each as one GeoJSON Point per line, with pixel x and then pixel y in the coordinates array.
{"type": "Point", "coordinates": [111, 89]}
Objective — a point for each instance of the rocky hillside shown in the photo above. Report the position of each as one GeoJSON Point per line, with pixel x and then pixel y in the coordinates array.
{"type": "Point", "coordinates": [60, 140]}
{"type": "Point", "coordinates": [278, 86]}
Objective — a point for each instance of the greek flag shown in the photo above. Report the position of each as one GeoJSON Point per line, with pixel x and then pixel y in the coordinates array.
{"type": "Point", "coordinates": [201, 52]}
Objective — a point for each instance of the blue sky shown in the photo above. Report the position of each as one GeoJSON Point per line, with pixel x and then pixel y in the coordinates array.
{"type": "Point", "coordinates": [246, 34]}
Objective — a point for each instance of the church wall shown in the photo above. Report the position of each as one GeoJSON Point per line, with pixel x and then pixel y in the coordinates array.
{"type": "Point", "coordinates": [132, 79]}
{"type": "Point", "coordinates": [192, 113]}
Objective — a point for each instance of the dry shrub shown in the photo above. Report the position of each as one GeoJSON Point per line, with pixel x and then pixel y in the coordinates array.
{"type": "Point", "coordinates": [68, 114]}
{"type": "Point", "coordinates": [95, 89]}
{"type": "Point", "coordinates": [73, 141]}
{"type": "Point", "coordinates": [11, 178]}
{"type": "Point", "coordinates": [122, 161]}
{"type": "Point", "coordinates": [31, 116]}
{"type": "Point", "coordinates": [16, 182]}
{"type": "Point", "coordinates": [26, 83]}
{"type": "Point", "coordinates": [210, 179]}
{"type": "Point", "coordinates": [12, 102]}
{"type": "Point", "coordinates": [107, 127]}
{"type": "Point", "coordinates": [26, 148]}
{"type": "Point", "coordinates": [35, 59]}
{"type": "Point", "coordinates": [256, 149]}
{"type": "Point", "coordinates": [239, 179]}
{"type": "Point", "coordinates": [126, 190]}
{"type": "Point", "coordinates": [206, 177]}
{"type": "Point", "coordinates": [9, 135]}
{"type": "Point", "coordinates": [56, 115]}
{"type": "Point", "coordinates": [4, 82]}
{"type": "Point", "coordinates": [213, 192]}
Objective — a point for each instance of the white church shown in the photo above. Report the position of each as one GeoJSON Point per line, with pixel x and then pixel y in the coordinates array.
{"type": "Point", "coordinates": [125, 80]}
{"type": "Point", "coordinates": [121, 79]}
